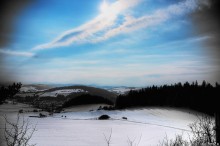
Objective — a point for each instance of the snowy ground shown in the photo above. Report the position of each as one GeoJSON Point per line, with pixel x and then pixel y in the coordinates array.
{"type": "Point", "coordinates": [122, 90]}
{"type": "Point", "coordinates": [35, 88]}
{"type": "Point", "coordinates": [63, 92]}
{"type": "Point", "coordinates": [78, 126]}
{"type": "Point", "coordinates": [28, 89]}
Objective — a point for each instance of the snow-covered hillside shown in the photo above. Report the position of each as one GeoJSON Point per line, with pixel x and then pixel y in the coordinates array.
{"type": "Point", "coordinates": [63, 92]}
{"type": "Point", "coordinates": [35, 88]}
{"type": "Point", "coordinates": [122, 90]}
{"type": "Point", "coordinates": [79, 125]}
{"type": "Point", "coordinates": [28, 89]}
{"type": "Point", "coordinates": [74, 91]}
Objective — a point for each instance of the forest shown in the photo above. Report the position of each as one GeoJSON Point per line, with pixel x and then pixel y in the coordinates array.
{"type": "Point", "coordinates": [8, 92]}
{"type": "Point", "coordinates": [203, 97]}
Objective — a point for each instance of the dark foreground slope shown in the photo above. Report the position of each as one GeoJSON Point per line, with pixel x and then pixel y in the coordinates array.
{"type": "Point", "coordinates": [86, 99]}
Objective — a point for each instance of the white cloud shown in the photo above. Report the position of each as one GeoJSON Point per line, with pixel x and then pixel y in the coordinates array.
{"type": "Point", "coordinates": [105, 25]}
{"type": "Point", "coordinates": [17, 53]}
{"type": "Point", "coordinates": [131, 24]}
{"type": "Point", "coordinates": [86, 31]}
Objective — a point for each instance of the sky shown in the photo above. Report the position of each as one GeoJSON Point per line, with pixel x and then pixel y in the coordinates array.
{"type": "Point", "coordinates": [109, 42]}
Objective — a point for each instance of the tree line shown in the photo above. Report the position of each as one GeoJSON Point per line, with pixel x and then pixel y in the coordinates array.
{"type": "Point", "coordinates": [203, 97]}
{"type": "Point", "coordinates": [86, 99]}
{"type": "Point", "coordinates": [9, 91]}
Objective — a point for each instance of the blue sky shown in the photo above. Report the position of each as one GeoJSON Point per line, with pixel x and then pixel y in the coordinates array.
{"type": "Point", "coordinates": [108, 42]}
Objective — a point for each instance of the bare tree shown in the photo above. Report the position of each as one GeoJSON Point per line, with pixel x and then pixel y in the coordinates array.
{"type": "Point", "coordinates": [203, 134]}
{"type": "Point", "coordinates": [132, 142]}
{"type": "Point", "coordinates": [203, 130]}
{"type": "Point", "coordinates": [18, 133]}
{"type": "Point", "coordinates": [177, 141]}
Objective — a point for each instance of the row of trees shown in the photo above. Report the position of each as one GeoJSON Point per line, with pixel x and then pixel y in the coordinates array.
{"type": "Point", "coordinates": [9, 91]}
{"type": "Point", "coordinates": [202, 97]}
{"type": "Point", "coordinates": [86, 99]}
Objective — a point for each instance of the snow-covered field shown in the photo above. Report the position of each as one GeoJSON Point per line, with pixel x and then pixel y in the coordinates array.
{"type": "Point", "coordinates": [78, 126]}
{"type": "Point", "coordinates": [63, 92]}
{"type": "Point", "coordinates": [28, 89]}
{"type": "Point", "coordinates": [122, 90]}
{"type": "Point", "coordinates": [35, 87]}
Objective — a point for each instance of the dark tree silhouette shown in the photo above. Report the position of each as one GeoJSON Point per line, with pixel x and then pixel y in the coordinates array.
{"type": "Point", "coordinates": [198, 97]}
{"type": "Point", "coordinates": [9, 92]}
{"type": "Point", "coordinates": [86, 99]}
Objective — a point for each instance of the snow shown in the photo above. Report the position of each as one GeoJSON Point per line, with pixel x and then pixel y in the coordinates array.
{"type": "Point", "coordinates": [35, 88]}
{"type": "Point", "coordinates": [122, 90]}
{"type": "Point", "coordinates": [28, 89]}
{"type": "Point", "coordinates": [64, 92]}
{"type": "Point", "coordinates": [79, 125]}
{"type": "Point", "coordinates": [55, 93]}
{"type": "Point", "coordinates": [32, 89]}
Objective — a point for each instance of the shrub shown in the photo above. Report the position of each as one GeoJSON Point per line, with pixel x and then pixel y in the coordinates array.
{"type": "Point", "coordinates": [18, 134]}
{"type": "Point", "coordinates": [203, 131]}
{"type": "Point", "coordinates": [41, 115]}
{"type": "Point", "coordinates": [108, 108]}
{"type": "Point", "coordinates": [21, 111]}
{"type": "Point", "coordinates": [177, 141]}
{"type": "Point", "coordinates": [203, 134]}
{"type": "Point", "coordinates": [35, 110]}
{"type": "Point", "coordinates": [104, 117]}
{"type": "Point", "coordinates": [125, 118]}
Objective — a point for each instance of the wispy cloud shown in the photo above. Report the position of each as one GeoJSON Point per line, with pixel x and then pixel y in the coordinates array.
{"type": "Point", "coordinates": [105, 25]}
{"type": "Point", "coordinates": [85, 32]}
{"type": "Point", "coordinates": [16, 53]}
{"type": "Point", "coordinates": [159, 16]}
{"type": "Point", "coordinates": [176, 43]}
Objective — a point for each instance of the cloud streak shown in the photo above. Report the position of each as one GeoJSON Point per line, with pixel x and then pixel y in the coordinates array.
{"type": "Point", "coordinates": [106, 26]}
{"type": "Point", "coordinates": [16, 53]}
{"type": "Point", "coordinates": [85, 32]}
